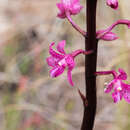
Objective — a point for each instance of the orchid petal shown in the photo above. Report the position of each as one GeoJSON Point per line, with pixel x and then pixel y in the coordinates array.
{"type": "Point", "coordinates": [60, 47]}
{"type": "Point", "coordinates": [122, 75]}
{"type": "Point", "coordinates": [116, 97]}
{"type": "Point", "coordinates": [117, 85]}
{"type": "Point", "coordinates": [52, 61]}
{"type": "Point", "coordinates": [71, 65]}
{"type": "Point", "coordinates": [76, 1]}
{"type": "Point", "coordinates": [126, 92]}
{"type": "Point", "coordinates": [60, 6]}
{"type": "Point", "coordinates": [54, 53]}
{"type": "Point", "coordinates": [61, 14]}
{"type": "Point", "coordinates": [109, 87]}
{"type": "Point", "coordinates": [70, 77]}
{"type": "Point", "coordinates": [127, 97]}
{"type": "Point", "coordinates": [56, 71]}
{"type": "Point", "coordinates": [76, 8]}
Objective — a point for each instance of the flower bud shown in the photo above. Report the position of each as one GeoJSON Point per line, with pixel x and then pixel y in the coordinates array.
{"type": "Point", "coordinates": [113, 4]}
{"type": "Point", "coordinates": [110, 36]}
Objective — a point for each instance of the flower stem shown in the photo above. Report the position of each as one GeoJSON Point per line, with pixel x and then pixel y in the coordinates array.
{"type": "Point", "coordinates": [121, 21]}
{"type": "Point", "coordinates": [80, 51]}
{"type": "Point", "coordinates": [90, 66]}
{"type": "Point", "coordinates": [106, 73]}
{"type": "Point", "coordinates": [75, 25]}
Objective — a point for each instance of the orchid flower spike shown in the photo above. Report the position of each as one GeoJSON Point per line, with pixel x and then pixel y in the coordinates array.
{"type": "Point", "coordinates": [113, 4]}
{"type": "Point", "coordinates": [120, 89]}
{"type": "Point", "coordinates": [72, 7]}
{"type": "Point", "coordinates": [60, 60]}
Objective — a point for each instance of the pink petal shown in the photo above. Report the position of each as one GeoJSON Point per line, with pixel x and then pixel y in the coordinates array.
{"type": "Point", "coordinates": [56, 71]}
{"type": "Point", "coordinates": [122, 75]}
{"type": "Point", "coordinates": [117, 84]}
{"type": "Point", "coordinates": [70, 77]}
{"type": "Point", "coordinates": [70, 68]}
{"type": "Point", "coordinates": [52, 61]}
{"type": "Point", "coordinates": [126, 92]}
{"type": "Point", "coordinates": [54, 53]}
{"type": "Point", "coordinates": [116, 97]}
{"type": "Point", "coordinates": [67, 4]}
{"type": "Point", "coordinates": [76, 1]}
{"type": "Point", "coordinates": [60, 46]}
{"type": "Point", "coordinates": [61, 14]}
{"type": "Point", "coordinates": [109, 87]}
{"type": "Point", "coordinates": [127, 97]}
{"type": "Point", "coordinates": [60, 7]}
{"type": "Point", "coordinates": [76, 8]}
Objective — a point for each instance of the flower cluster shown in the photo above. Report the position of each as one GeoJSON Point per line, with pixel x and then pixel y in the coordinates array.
{"type": "Point", "coordinates": [61, 60]}
{"type": "Point", "coordinates": [120, 89]}
{"type": "Point", "coordinates": [73, 7]}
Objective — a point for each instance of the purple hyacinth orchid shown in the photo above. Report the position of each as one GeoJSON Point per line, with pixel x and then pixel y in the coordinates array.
{"type": "Point", "coordinates": [120, 89]}
{"type": "Point", "coordinates": [73, 7]}
{"type": "Point", "coordinates": [68, 8]}
{"type": "Point", "coordinates": [113, 4]}
{"type": "Point", "coordinates": [59, 61]}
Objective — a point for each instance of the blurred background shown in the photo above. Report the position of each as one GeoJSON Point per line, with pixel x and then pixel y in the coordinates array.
{"type": "Point", "coordinates": [29, 98]}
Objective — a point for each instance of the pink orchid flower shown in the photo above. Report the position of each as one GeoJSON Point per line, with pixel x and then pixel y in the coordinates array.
{"type": "Point", "coordinates": [68, 8]}
{"type": "Point", "coordinates": [120, 89]}
{"type": "Point", "coordinates": [72, 7]}
{"type": "Point", "coordinates": [113, 4]}
{"type": "Point", "coordinates": [59, 61]}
